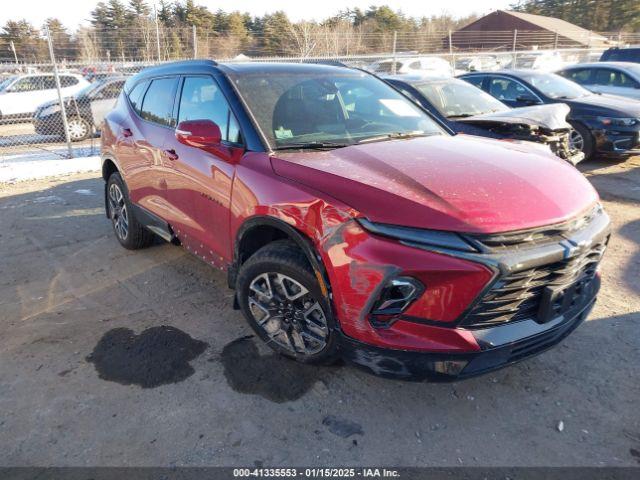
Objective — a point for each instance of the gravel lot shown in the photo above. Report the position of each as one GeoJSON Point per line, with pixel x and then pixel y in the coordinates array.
{"type": "Point", "coordinates": [111, 357]}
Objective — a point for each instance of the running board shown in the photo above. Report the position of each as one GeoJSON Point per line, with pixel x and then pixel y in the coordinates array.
{"type": "Point", "coordinates": [155, 224]}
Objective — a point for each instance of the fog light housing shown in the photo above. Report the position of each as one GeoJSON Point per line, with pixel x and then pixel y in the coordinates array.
{"type": "Point", "coordinates": [397, 294]}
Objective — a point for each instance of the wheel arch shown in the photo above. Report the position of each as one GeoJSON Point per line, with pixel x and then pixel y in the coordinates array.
{"type": "Point", "coordinates": [259, 231]}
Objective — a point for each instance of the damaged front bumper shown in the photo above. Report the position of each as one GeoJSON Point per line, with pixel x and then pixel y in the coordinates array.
{"type": "Point", "coordinates": [500, 346]}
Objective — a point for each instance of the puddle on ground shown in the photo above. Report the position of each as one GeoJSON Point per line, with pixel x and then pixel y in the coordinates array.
{"type": "Point", "coordinates": [158, 356]}
{"type": "Point", "coordinates": [342, 427]}
{"type": "Point", "coordinates": [271, 376]}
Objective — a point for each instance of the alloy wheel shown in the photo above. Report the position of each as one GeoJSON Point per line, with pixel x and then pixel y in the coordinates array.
{"type": "Point", "coordinates": [118, 211]}
{"type": "Point", "coordinates": [288, 313]}
{"type": "Point", "coordinates": [576, 141]}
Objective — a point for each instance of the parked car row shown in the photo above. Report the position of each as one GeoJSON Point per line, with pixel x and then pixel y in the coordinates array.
{"type": "Point", "coordinates": [352, 223]}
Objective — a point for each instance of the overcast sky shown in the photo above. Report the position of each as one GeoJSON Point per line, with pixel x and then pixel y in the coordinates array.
{"type": "Point", "coordinates": [76, 12]}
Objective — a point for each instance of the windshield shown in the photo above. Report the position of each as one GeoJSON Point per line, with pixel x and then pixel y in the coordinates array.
{"type": "Point", "coordinates": [554, 86]}
{"type": "Point", "coordinates": [327, 107]}
{"type": "Point", "coordinates": [457, 98]}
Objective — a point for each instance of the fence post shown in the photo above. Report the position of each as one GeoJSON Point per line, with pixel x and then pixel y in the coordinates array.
{"type": "Point", "coordinates": [514, 46]}
{"type": "Point", "coordinates": [453, 64]}
{"type": "Point", "coordinates": [155, 15]}
{"type": "Point", "coordinates": [195, 42]}
{"type": "Point", "coordinates": [395, 41]}
{"type": "Point", "coordinates": [63, 110]}
{"type": "Point", "coordinates": [555, 42]}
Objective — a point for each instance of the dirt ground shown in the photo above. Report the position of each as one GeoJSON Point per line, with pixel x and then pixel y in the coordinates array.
{"type": "Point", "coordinates": [112, 357]}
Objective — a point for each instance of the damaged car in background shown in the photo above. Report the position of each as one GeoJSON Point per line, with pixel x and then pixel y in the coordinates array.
{"type": "Point", "coordinates": [465, 108]}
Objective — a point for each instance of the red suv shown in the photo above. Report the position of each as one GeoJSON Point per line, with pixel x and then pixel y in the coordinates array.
{"type": "Point", "coordinates": [350, 223]}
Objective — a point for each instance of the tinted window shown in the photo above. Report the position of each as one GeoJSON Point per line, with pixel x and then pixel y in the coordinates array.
{"type": "Point", "coordinates": [475, 80]}
{"type": "Point", "coordinates": [49, 82]}
{"type": "Point", "coordinates": [202, 99]}
{"type": "Point", "coordinates": [27, 84]}
{"type": "Point", "coordinates": [136, 95]}
{"type": "Point", "coordinates": [66, 81]}
{"type": "Point", "coordinates": [157, 105]}
{"type": "Point", "coordinates": [614, 78]}
{"type": "Point", "coordinates": [580, 76]}
{"type": "Point", "coordinates": [506, 89]}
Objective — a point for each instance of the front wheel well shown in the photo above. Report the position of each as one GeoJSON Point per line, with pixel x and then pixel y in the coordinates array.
{"type": "Point", "coordinates": [259, 232]}
{"type": "Point", "coordinates": [108, 168]}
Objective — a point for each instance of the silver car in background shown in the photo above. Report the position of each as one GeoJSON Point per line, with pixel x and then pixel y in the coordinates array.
{"type": "Point", "coordinates": [613, 78]}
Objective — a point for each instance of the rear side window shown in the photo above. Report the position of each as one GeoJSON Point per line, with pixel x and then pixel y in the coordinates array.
{"type": "Point", "coordinates": [67, 81]}
{"type": "Point", "coordinates": [136, 95]}
{"type": "Point", "coordinates": [27, 84]}
{"type": "Point", "coordinates": [157, 105]}
{"type": "Point", "coordinates": [202, 99]}
{"type": "Point", "coordinates": [614, 78]}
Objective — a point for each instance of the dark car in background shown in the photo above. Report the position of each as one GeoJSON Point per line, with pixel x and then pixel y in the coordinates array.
{"type": "Point", "coordinates": [85, 110]}
{"type": "Point", "coordinates": [616, 54]}
{"type": "Point", "coordinates": [603, 124]}
{"type": "Point", "coordinates": [465, 108]}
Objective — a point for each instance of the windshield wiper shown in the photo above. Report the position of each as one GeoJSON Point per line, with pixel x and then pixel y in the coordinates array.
{"type": "Point", "coordinates": [464, 115]}
{"type": "Point", "coordinates": [311, 146]}
{"type": "Point", "coordinates": [395, 136]}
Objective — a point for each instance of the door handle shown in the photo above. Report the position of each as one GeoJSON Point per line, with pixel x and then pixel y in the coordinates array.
{"type": "Point", "coordinates": [171, 154]}
{"type": "Point", "coordinates": [126, 132]}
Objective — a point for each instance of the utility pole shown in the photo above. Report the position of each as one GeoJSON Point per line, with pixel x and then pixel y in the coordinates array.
{"type": "Point", "coordinates": [13, 49]}
{"type": "Point", "coordinates": [155, 14]}
{"type": "Point", "coordinates": [395, 42]}
{"type": "Point", "coordinates": [63, 111]}
{"type": "Point", "coordinates": [195, 42]}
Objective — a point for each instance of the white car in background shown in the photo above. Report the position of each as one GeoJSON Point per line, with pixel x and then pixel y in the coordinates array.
{"type": "Point", "coordinates": [416, 65]}
{"type": "Point", "coordinates": [544, 61]}
{"type": "Point", "coordinates": [20, 96]}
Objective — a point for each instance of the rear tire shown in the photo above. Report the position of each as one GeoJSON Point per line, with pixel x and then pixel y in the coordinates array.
{"type": "Point", "coordinates": [582, 139]}
{"type": "Point", "coordinates": [130, 233]}
{"type": "Point", "coordinates": [281, 299]}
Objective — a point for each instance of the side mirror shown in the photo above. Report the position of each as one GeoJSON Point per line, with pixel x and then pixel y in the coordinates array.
{"type": "Point", "coordinates": [203, 134]}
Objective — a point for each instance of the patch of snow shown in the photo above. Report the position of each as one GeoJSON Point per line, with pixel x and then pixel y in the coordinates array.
{"type": "Point", "coordinates": [84, 191]}
{"type": "Point", "coordinates": [18, 170]}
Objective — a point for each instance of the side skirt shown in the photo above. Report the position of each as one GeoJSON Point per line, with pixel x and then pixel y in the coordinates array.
{"type": "Point", "coordinates": [155, 224]}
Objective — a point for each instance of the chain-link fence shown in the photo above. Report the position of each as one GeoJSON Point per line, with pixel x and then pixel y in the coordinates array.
{"type": "Point", "coordinates": [87, 71]}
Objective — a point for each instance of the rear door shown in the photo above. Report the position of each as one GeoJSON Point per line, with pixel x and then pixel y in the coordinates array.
{"type": "Point", "coordinates": [140, 144]}
{"type": "Point", "coordinates": [199, 183]}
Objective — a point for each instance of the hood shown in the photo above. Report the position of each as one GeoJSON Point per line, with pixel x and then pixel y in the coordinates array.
{"type": "Point", "coordinates": [461, 183]}
{"type": "Point", "coordinates": [552, 117]}
{"type": "Point", "coordinates": [608, 105]}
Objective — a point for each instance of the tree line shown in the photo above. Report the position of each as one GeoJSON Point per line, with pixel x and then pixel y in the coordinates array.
{"type": "Point", "coordinates": [131, 30]}
{"type": "Point", "coordinates": [134, 31]}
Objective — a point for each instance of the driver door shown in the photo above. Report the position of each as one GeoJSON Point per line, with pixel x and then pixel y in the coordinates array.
{"type": "Point", "coordinates": [198, 181]}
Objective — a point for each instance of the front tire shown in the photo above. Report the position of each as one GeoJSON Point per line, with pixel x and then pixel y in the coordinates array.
{"type": "Point", "coordinates": [129, 231]}
{"type": "Point", "coordinates": [281, 299]}
{"type": "Point", "coordinates": [581, 139]}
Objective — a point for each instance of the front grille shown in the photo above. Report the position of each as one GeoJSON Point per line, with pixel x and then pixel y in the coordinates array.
{"type": "Point", "coordinates": [520, 295]}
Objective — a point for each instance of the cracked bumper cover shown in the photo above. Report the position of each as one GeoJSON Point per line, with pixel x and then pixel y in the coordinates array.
{"type": "Point", "coordinates": [500, 346]}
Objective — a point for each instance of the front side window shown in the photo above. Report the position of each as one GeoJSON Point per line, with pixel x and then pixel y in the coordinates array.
{"type": "Point", "coordinates": [455, 98]}
{"type": "Point", "coordinates": [581, 76]}
{"type": "Point", "coordinates": [49, 82]}
{"type": "Point", "coordinates": [346, 107]}
{"type": "Point", "coordinates": [67, 81]}
{"type": "Point", "coordinates": [507, 89]}
{"type": "Point", "coordinates": [157, 105]}
{"type": "Point", "coordinates": [202, 99]}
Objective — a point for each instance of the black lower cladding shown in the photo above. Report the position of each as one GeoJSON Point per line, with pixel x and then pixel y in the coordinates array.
{"type": "Point", "coordinates": [443, 367]}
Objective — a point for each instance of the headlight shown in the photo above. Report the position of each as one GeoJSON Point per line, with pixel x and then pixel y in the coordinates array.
{"type": "Point", "coordinates": [617, 122]}
{"type": "Point", "coordinates": [418, 236]}
{"type": "Point", "coordinates": [51, 109]}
